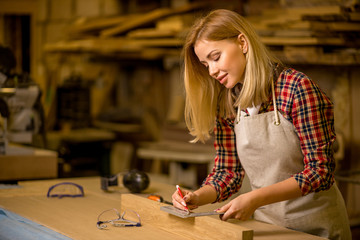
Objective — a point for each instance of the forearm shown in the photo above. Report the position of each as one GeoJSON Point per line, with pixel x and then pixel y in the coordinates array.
{"type": "Point", "coordinates": [285, 190]}
{"type": "Point", "coordinates": [206, 194]}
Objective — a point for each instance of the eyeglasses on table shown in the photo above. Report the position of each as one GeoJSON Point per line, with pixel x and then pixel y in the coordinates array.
{"type": "Point", "coordinates": [128, 218]}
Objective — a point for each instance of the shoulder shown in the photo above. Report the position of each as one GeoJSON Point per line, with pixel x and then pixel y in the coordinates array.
{"type": "Point", "coordinates": [295, 87]}
{"type": "Point", "coordinates": [293, 82]}
{"type": "Point", "coordinates": [291, 77]}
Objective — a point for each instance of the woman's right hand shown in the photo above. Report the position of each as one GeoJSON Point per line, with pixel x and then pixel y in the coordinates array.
{"type": "Point", "coordinates": [190, 200]}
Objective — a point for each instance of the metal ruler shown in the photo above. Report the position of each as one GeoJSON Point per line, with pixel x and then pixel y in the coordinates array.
{"type": "Point", "coordinates": [184, 214]}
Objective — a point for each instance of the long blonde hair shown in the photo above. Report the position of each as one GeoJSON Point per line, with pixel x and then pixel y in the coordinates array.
{"type": "Point", "coordinates": [205, 97]}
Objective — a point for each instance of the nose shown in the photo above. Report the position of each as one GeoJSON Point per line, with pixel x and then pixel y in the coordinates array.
{"type": "Point", "coordinates": [213, 70]}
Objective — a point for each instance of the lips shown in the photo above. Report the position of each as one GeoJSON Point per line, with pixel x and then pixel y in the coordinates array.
{"type": "Point", "coordinates": [222, 78]}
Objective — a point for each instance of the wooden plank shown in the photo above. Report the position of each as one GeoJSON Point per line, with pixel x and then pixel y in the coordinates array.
{"type": "Point", "coordinates": [176, 23]}
{"type": "Point", "coordinates": [201, 227]}
{"type": "Point", "coordinates": [148, 18]}
{"type": "Point", "coordinates": [335, 26]}
{"type": "Point", "coordinates": [314, 10]}
{"type": "Point", "coordinates": [111, 45]}
{"type": "Point", "coordinates": [325, 17]}
{"type": "Point", "coordinates": [137, 22]}
{"type": "Point", "coordinates": [279, 41]}
{"type": "Point", "coordinates": [86, 25]}
{"type": "Point", "coordinates": [151, 33]}
{"type": "Point", "coordinates": [293, 33]}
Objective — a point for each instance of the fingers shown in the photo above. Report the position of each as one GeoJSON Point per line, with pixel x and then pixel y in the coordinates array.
{"type": "Point", "coordinates": [224, 209]}
{"type": "Point", "coordinates": [230, 210]}
{"type": "Point", "coordinates": [180, 202]}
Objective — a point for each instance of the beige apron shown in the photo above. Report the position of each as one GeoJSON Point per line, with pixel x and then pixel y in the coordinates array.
{"type": "Point", "coordinates": [269, 151]}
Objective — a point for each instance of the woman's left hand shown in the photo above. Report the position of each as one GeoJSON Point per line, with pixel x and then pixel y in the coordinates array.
{"type": "Point", "coordinates": [240, 208]}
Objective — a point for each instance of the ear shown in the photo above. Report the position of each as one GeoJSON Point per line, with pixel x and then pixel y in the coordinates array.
{"type": "Point", "coordinates": [243, 42]}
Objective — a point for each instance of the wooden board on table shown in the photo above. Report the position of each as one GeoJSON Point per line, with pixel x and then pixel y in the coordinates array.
{"type": "Point", "coordinates": [201, 228]}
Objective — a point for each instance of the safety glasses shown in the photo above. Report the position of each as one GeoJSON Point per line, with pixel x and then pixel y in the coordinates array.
{"type": "Point", "coordinates": [128, 218]}
{"type": "Point", "coordinates": [65, 189]}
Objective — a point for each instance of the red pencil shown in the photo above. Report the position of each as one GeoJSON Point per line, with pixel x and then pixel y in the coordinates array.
{"type": "Point", "coordinates": [179, 191]}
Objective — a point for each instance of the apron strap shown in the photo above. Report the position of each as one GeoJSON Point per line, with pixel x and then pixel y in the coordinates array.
{"type": "Point", "coordinates": [237, 120]}
{"type": "Point", "coordinates": [277, 119]}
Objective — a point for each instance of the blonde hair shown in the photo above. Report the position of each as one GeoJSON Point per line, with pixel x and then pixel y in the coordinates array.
{"type": "Point", "coordinates": [206, 97]}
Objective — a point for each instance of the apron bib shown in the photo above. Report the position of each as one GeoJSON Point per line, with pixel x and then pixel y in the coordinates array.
{"type": "Point", "coordinates": [269, 151]}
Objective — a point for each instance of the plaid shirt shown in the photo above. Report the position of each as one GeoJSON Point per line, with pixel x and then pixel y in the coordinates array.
{"type": "Point", "coordinates": [301, 102]}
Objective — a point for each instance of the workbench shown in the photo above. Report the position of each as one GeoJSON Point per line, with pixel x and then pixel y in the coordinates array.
{"type": "Point", "coordinates": [21, 163]}
{"type": "Point", "coordinates": [76, 218]}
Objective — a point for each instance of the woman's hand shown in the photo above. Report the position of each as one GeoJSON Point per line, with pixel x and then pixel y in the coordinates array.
{"type": "Point", "coordinates": [190, 200]}
{"type": "Point", "coordinates": [245, 205]}
{"type": "Point", "coordinates": [242, 208]}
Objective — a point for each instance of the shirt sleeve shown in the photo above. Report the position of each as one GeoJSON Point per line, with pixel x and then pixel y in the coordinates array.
{"type": "Point", "coordinates": [227, 174]}
{"type": "Point", "coordinates": [313, 118]}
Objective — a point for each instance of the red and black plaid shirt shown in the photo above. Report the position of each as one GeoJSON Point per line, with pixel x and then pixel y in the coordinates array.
{"type": "Point", "coordinates": [301, 102]}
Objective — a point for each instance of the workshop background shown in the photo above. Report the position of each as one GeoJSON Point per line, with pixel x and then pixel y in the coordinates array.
{"type": "Point", "coordinates": [103, 80]}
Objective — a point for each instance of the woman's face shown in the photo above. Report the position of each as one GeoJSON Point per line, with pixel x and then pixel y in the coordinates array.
{"type": "Point", "coordinates": [224, 59]}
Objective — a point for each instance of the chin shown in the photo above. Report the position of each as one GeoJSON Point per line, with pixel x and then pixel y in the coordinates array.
{"type": "Point", "coordinates": [229, 85]}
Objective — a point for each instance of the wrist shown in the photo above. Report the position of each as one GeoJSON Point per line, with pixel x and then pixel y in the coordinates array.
{"type": "Point", "coordinates": [204, 195]}
{"type": "Point", "coordinates": [256, 198]}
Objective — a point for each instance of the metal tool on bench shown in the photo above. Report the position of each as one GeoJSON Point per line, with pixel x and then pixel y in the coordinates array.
{"type": "Point", "coordinates": [185, 214]}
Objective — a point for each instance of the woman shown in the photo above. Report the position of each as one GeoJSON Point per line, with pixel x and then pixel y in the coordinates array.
{"type": "Point", "coordinates": [270, 122]}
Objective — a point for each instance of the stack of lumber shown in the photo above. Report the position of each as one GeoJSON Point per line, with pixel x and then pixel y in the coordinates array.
{"type": "Point", "coordinates": [312, 35]}
{"type": "Point", "coordinates": [326, 35]}
{"type": "Point", "coordinates": [148, 36]}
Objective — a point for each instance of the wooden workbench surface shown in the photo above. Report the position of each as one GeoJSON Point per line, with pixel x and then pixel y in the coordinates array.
{"type": "Point", "coordinates": [77, 217]}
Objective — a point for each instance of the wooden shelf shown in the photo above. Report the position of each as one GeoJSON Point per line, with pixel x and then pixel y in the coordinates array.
{"type": "Point", "coordinates": [322, 35]}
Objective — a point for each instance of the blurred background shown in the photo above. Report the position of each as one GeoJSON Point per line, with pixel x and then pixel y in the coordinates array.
{"type": "Point", "coordinates": [94, 87]}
